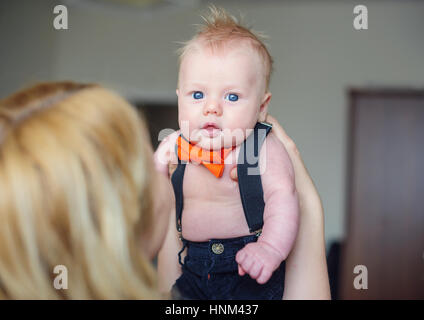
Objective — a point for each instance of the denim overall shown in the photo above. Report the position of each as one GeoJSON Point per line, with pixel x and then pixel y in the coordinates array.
{"type": "Point", "coordinates": [210, 270]}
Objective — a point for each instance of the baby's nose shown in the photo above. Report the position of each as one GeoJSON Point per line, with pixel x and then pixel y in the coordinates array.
{"type": "Point", "coordinates": [213, 108]}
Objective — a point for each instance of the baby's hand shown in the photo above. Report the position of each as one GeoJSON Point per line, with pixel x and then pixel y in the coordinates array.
{"type": "Point", "coordinates": [259, 260]}
{"type": "Point", "coordinates": [165, 158]}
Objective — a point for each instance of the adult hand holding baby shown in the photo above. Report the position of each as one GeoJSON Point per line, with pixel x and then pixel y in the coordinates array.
{"type": "Point", "coordinates": [306, 266]}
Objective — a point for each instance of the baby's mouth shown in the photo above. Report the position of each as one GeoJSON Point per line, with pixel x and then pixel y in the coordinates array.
{"type": "Point", "coordinates": [210, 130]}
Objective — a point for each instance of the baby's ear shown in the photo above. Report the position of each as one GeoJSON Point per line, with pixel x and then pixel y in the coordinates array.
{"type": "Point", "coordinates": [177, 92]}
{"type": "Point", "coordinates": [263, 110]}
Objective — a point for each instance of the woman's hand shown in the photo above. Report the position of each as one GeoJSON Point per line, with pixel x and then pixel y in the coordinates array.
{"type": "Point", "coordinates": [165, 158]}
{"type": "Point", "coordinates": [306, 267]}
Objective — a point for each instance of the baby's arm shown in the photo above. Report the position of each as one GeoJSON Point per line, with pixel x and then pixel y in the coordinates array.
{"type": "Point", "coordinates": [281, 217]}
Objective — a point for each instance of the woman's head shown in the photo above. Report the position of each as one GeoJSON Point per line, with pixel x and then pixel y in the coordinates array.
{"type": "Point", "coordinates": [77, 189]}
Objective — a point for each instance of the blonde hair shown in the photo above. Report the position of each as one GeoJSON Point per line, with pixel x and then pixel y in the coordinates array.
{"type": "Point", "coordinates": [220, 29]}
{"type": "Point", "coordinates": [75, 175]}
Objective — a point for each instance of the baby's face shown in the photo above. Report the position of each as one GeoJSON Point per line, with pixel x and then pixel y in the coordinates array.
{"type": "Point", "coordinates": [220, 95]}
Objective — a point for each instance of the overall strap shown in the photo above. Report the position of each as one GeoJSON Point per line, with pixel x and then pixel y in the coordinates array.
{"type": "Point", "coordinates": [249, 178]}
{"type": "Point", "coordinates": [177, 183]}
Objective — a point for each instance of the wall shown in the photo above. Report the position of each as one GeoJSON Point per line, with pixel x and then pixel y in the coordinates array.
{"type": "Point", "coordinates": [27, 49]}
{"type": "Point", "coordinates": [318, 56]}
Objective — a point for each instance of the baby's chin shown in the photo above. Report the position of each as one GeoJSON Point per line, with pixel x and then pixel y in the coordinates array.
{"type": "Point", "coordinates": [222, 140]}
{"type": "Point", "coordinates": [212, 144]}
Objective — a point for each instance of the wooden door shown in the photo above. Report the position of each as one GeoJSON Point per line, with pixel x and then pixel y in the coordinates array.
{"type": "Point", "coordinates": [385, 224]}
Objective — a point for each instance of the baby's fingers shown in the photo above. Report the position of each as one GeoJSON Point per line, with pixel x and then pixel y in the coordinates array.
{"type": "Point", "coordinates": [264, 276]}
{"type": "Point", "coordinates": [233, 174]}
{"type": "Point", "coordinates": [255, 270]}
{"type": "Point", "coordinates": [241, 255]}
{"type": "Point", "coordinates": [247, 263]}
{"type": "Point", "coordinates": [245, 260]}
{"type": "Point", "coordinates": [240, 259]}
{"type": "Point", "coordinates": [171, 169]}
{"type": "Point", "coordinates": [241, 271]}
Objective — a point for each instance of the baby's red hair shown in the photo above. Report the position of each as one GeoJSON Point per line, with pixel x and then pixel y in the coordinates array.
{"type": "Point", "coordinates": [220, 29]}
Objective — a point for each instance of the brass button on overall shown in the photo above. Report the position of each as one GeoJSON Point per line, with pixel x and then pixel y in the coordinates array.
{"type": "Point", "coordinates": [218, 248]}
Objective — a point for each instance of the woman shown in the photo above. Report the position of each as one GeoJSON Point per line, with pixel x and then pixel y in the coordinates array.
{"type": "Point", "coordinates": [77, 190]}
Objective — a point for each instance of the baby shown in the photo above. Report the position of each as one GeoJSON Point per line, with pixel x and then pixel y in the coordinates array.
{"type": "Point", "coordinates": [222, 96]}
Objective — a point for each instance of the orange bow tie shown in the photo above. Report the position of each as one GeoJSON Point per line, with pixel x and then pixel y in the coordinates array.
{"type": "Point", "coordinates": [213, 160]}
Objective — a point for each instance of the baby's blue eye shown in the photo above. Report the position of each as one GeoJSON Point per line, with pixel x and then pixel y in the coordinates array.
{"type": "Point", "coordinates": [197, 95]}
{"type": "Point", "coordinates": [232, 97]}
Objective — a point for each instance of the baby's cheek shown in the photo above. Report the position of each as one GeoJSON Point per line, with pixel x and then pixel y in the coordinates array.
{"type": "Point", "coordinates": [239, 130]}
{"type": "Point", "coordinates": [187, 126]}
{"type": "Point", "coordinates": [245, 120]}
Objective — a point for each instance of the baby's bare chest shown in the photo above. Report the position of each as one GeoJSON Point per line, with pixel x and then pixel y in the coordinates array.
{"type": "Point", "coordinates": [212, 206]}
{"type": "Point", "coordinates": [201, 185]}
